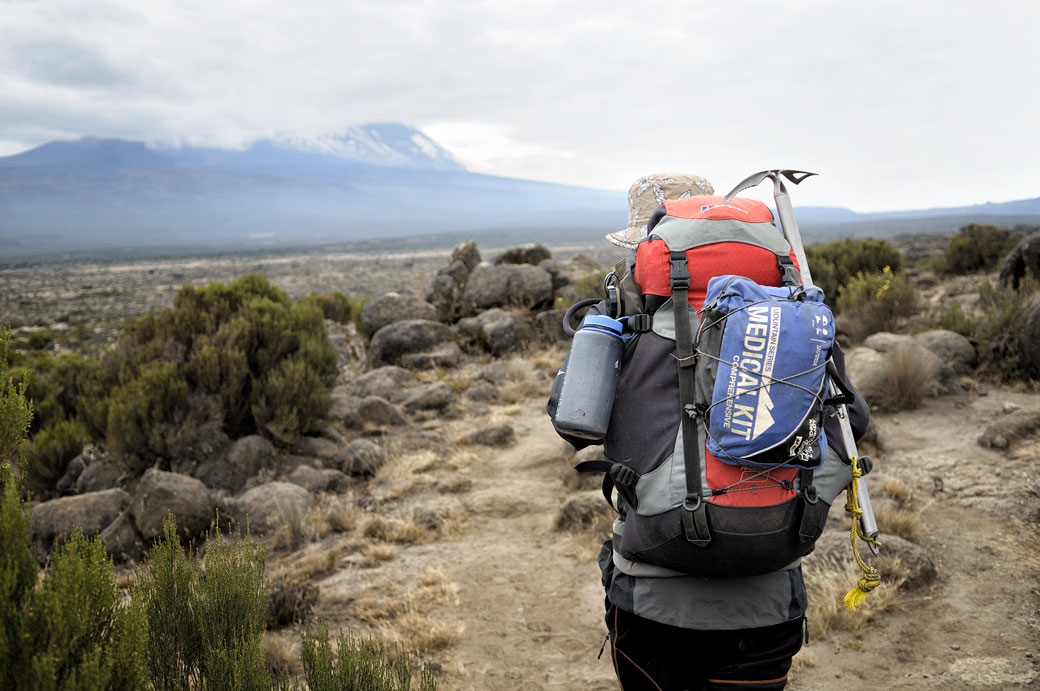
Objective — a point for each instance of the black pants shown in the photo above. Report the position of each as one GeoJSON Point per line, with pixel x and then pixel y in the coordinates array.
{"type": "Point", "coordinates": [657, 657]}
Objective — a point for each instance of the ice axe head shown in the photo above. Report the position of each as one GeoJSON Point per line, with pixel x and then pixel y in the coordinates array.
{"type": "Point", "coordinates": [776, 175]}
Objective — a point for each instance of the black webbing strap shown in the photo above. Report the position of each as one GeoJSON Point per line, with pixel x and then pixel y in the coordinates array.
{"type": "Point", "coordinates": [694, 513]}
{"type": "Point", "coordinates": [614, 475]}
{"type": "Point", "coordinates": [811, 509]}
{"type": "Point", "coordinates": [789, 274]}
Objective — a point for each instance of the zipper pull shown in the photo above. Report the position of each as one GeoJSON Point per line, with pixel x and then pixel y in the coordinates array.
{"type": "Point", "coordinates": [605, 639]}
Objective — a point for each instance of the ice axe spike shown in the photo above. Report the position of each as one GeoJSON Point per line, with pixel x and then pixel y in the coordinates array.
{"type": "Point", "coordinates": [789, 225]}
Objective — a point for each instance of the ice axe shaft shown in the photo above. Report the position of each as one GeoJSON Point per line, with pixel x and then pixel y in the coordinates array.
{"type": "Point", "coordinates": [789, 225]}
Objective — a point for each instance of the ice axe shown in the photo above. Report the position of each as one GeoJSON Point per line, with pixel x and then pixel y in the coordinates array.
{"type": "Point", "coordinates": [789, 226]}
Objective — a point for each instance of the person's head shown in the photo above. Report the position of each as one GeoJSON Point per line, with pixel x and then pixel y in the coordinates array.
{"type": "Point", "coordinates": [647, 193]}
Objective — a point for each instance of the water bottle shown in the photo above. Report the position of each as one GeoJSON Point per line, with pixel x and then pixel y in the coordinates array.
{"type": "Point", "coordinates": [587, 393]}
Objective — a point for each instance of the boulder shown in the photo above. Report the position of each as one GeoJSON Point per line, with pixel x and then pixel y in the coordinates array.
{"type": "Point", "coordinates": [467, 253]}
{"type": "Point", "coordinates": [121, 539]}
{"type": "Point", "coordinates": [941, 372]}
{"type": "Point", "coordinates": [496, 435]}
{"type": "Point", "coordinates": [865, 368]}
{"type": "Point", "coordinates": [1022, 261]}
{"type": "Point", "coordinates": [380, 411]}
{"type": "Point", "coordinates": [950, 347]}
{"type": "Point", "coordinates": [506, 333]}
{"type": "Point", "coordinates": [394, 307]}
{"type": "Point", "coordinates": [267, 506]}
{"type": "Point", "coordinates": [436, 396]}
{"type": "Point", "coordinates": [54, 520]}
{"type": "Point", "coordinates": [445, 355]}
{"type": "Point", "coordinates": [481, 391]}
{"type": "Point", "coordinates": [361, 457]}
{"type": "Point", "coordinates": [316, 479]}
{"type": "Point", "coordinates": [100, 474]}
{"type": "Point", "coordinates": [315, 447]}
{"type": "Point", "coordinates": [389, 382]}
{"type": "Point", "coordinates": [244, 459]}
{"type": "Point", "coordinates": [899, 558]}
{"type": "Point", "coordinates": [1009, 428]}
{"type": "Point", "coordinates": [91, 453]}
{"type": "Point", "coordinates": [505, 285]}
{"type": "Point", "coordinates": [447, 286]}
{"type": "Point", "coordinates": [159, 493]}
{"type": "Point", "coordinates": [530, 253]}
{"type": "Point", "coordinates": [1023, 343]}
{"type": "Point", "coordinates": [406, 337]}
{"type": "Point", "coordinates": [549, 325]}
{"type": "Point", "coordinates": [584, 511]}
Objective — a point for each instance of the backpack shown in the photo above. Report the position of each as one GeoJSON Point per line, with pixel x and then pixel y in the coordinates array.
{"type": "Point", "coordinates": [717, 426]}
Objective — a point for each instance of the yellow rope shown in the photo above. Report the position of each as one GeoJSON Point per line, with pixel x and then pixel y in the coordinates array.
{"type": "Point", "coordinates": [871, 577]}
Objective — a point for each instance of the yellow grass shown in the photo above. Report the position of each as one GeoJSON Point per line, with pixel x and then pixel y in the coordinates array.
{"type": "Point", "coordinates": [827, 581]}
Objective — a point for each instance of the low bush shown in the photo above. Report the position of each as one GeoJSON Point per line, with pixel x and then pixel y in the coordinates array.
{"type": "Point", "coordinates": [589, 286]}
{"type": "Point", "coordinates": [16, 408]}
{"type": "Point", "coordinates": [870, 303]}
{"type": "Point", "coordinates": [1001, 310]}
{"type": "Point", "coordinates": [335, 306]}
{"type": "Point", "coordinates": [47, 456]}
{"type": "Point", "coordinates": [907, 379]}
{"type": "Point", "coordinates": [976, 248]}
{"type": "Point", "coordinates": [358, 663]}
{"type": "Point", "coordinates": [834, 264]}
{"type": "Point", "coordinates": [953, 318]}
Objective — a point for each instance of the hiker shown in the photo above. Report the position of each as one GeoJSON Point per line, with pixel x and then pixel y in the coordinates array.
{"type": "Point", "coordinates": [669, 629]}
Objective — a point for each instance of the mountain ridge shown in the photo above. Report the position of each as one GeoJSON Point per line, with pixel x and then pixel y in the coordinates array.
{"type": "Point", "coordinates": [379, 180]}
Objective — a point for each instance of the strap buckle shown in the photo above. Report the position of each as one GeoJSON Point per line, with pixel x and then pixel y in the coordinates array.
{"type": "Point", "coordinates": [679, 273]}
{"type": "Point", "coordinates": [695, 520]}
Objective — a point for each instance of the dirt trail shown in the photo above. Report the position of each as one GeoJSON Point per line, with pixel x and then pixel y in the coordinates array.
{"type": "Point", "coordinates": [530, 600]}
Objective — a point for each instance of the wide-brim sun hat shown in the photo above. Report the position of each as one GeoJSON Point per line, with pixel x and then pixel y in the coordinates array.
{"type": "Point", "coordinates": [647, 193]}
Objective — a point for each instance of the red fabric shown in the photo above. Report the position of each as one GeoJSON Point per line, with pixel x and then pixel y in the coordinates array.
{"type": "Point", "coordinates": [749, 490]}
{"type": "Point", "coordinates": [716, 208]}
{"type": "Point", "coordinates": [704, 263]}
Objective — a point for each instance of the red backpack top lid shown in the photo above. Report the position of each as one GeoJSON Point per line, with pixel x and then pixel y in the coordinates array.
{"type": "Point", "coordinates": [736, 237]}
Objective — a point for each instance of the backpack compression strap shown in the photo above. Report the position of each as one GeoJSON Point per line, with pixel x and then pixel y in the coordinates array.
{"type": "Point", "coordinates": [694, 509]}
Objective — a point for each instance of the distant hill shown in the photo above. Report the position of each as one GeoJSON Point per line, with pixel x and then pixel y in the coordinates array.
{"type": "Point", "coordinates": [369, 182]}
{"type": "Point", "coordinates": [372, 181]}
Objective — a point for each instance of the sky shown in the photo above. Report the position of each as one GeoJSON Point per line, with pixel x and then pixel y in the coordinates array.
{"type": "Point", "coordinates": [897, 105]}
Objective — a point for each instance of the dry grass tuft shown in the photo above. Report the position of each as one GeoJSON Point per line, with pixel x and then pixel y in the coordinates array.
{"type": "Point", "coordinates": [399, 530]}
{"type": "Point", "coordinates": [402, 619]}
{"type": "Point", "coordinates": [332, 514]}
{"type": "Point", "coordinates": [282, 651]}
{"type": "Point", "coordinates": [406, 474]}
{"type": "Point", "coordinates": [378, 553]}
{"type": "Point", "coordinates": [827, 581]}
{"type": "Point", "coordinates": [290, 532]}
{"type": "Point", "coordinates": [524, 381]}
{"type": "Point", "coordinates": [907, 379]}
{"type": "Point", "coordinates": [898, 521]}
{"type": "Point", "coordinates": [896, 489]}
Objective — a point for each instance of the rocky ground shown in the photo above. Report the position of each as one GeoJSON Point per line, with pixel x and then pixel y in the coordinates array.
{"type": "Point", "coordinates": [438, 508]}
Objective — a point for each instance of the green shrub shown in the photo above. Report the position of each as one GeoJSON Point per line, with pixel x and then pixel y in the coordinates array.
{"type": "Point", "coordinates": [954, 319]}
{"type": "Point", "coordinates": [49, 453]}
{"type": "Point", "coordinates": [834, 264]}
{"type": "Point", "coordinates": [976, 248]}
{"type": "Point", "coordinates": [589, 286]}
{"type": "Point", "coordinates": [80, 634]}
{"type": "Point", "coordinates": [357, 664]}
{"type": "Point", "coordinates": [17, 572]}
{"type": "Point", "coordinates": [205, 631]}
{"type": "Point", "coordinates": [1001, 310]}
{"type": "Point", "coordinates": [335, 306]}
{"type": "Point", "coordinates": [16, 408]}
{"type": "Point", "coordinates": [870, 303]}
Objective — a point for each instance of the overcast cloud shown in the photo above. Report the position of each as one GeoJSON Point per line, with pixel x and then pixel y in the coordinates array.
{"type": "Point", "coordinates": [897, 104]}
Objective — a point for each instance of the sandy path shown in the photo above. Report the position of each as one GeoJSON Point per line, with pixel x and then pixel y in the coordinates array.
{"type": "Point", "coordinates": [978, 626]}
{"type": "Point", "coordinates": [530, 600]}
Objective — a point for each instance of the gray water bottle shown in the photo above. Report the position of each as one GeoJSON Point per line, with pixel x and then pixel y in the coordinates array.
{"type": "Point", "coordinates": [587, 393]}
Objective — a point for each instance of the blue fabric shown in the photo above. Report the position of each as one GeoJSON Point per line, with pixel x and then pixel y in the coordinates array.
{"type": "Point", "coordinates": [771, 371]}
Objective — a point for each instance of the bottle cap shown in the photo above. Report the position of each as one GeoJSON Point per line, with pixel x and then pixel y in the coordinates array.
{"type": "Point", "coordinates": [603, 322]}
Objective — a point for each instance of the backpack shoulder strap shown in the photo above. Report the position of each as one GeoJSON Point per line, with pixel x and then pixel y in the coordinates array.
{"type": "Point", "coordinates": [694, 513]}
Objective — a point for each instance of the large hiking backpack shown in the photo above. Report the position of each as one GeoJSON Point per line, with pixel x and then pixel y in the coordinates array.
{"type": "Point", "coordinates": [717, 425]}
